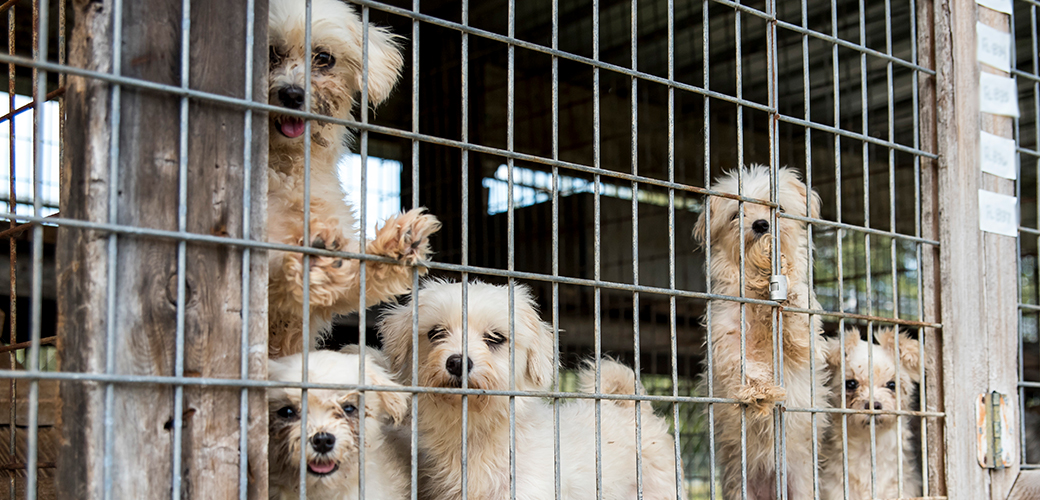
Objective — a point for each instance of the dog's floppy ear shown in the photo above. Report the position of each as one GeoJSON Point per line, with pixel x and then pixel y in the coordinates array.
{"type": "Point", "coordinates": [395, 331]}
{"type": "Point", "coordinates": [539, 353]}
{"type": "Point", "coordinates": [909, 351]}
{"type": "Point", "coordinates": [701, 227]}
{"type": "Point", "coordinates": [395, 404]}
{"type": "Point", "coordinates": [384, 64]}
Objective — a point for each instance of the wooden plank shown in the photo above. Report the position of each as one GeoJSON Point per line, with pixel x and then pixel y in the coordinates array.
{"type": "Point", "coordinates": [145, 315]}
{"type": "Point", "coordinates": [934, 442]}
{"type": "Point", "coordinates": [978, 275]}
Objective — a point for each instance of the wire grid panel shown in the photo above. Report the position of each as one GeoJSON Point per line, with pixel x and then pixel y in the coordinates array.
{"type": "Point", "coordinates": [1024, 21]}
{"type": "Point", "coordinates": [643, 104]}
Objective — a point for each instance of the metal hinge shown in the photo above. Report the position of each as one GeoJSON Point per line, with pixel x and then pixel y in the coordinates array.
{"type": "Point", "coordinates": [778, 287]}
{"type": "Point", "coordinates": [992, 416]}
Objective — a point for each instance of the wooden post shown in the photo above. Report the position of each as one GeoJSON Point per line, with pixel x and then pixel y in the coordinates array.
{"type": "Point", "coordinates": [978, 271]}
{"type": "Point", "coordinates": [146, 271]}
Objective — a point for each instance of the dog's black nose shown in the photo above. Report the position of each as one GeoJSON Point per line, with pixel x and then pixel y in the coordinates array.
{"type": "Point", "coordinates": [291, 97]}
{"type": "Point", "coordinates": [454, 364]}
{"type": "Point", "coordinates": [877, 405]}
{"type": "Point", "coordinates": [760, 226]}
{"type": "Point", "coordinates": [323, 442]}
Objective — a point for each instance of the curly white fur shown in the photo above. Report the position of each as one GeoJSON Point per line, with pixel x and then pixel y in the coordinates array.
{"type": "Point", "coordinates": [760, 391]}
{"type": "Point", "coordinates": [488, 475]}
{"type": "Point", "coordinates": [336, 77]}
{"type": "Point", "coordinates": [891, 433]}
{"type": "Point", "coordinates": [335, 413]}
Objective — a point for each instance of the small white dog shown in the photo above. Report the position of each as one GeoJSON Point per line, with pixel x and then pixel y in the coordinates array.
{"type": "Point", "coordinates": [336, 78]}
{"type": "Point", "coordinates": [333, 430]}
{"type": "Point", "coordinates": [887, 428]}
{"type": "Point", "coordinates": [760, 391]}
{"type": "Point", "coordinates": [440, 441]}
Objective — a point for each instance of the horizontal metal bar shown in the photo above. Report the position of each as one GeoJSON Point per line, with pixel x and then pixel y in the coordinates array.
{"type": "Point", "coordinates": [259, 106]}
{"type": "Point", "coordinates": [267, 384]}
{"type": "Point", "coordinates": [1030, 152]}
{"type": "Point", "coordinates": [855, 135]}
{"type": "Point", "coordinates": [864, 317]}
{"type": "Point", "coordinates": [1029, 307]}
{"type": "Point", "coordinates": [19, 229]}
{"type": "Point", "coordinates": [1029, 384]}
{"type": "Point", "coordinates": [1029, 230]}
{"type": "Point", "coordinates": [7, 5]}
{"type": "Point", "coordinates": [620, 69]}
{"type": "Point", "coordinates": [23, 345]}
{"type": "Point", "coordinates": [54, 94]}
{"type": "Point", "coordinates": [858, 229]}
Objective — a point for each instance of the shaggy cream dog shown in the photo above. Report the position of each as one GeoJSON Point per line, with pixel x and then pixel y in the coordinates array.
{"type": "Point", "coordinates": [336, 74]}
{"type": "Point", "coordinates": [441, 361]}
{"type": "Point", "coordinates": [760, 391]}
{"type": "Point", "coordinates": [332, 430]}
{"type": "Point", "coordinates": [891, 433]}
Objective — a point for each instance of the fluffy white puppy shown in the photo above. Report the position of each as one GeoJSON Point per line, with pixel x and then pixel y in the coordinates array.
{"type": "Point", "coordinates": [336, 78]}
{"type": "Point", "coordinates": [441, 361]}
{"type": "Point", "coordinates": [760, 391]}
{"type": "Point", "coordinates": [332, 435]}
{"type": "Point", "coordinates": [891, 433]}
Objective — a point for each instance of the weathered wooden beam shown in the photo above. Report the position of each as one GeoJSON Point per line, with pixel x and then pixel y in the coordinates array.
{"type": "Point", "coordinates": [978, 272]}
{"type": "Point", "coordinates": [146, 277]}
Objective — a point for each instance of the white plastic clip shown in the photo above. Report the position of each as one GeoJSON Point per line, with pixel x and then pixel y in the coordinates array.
{"type": "Point", "coordinates": [778, 287]}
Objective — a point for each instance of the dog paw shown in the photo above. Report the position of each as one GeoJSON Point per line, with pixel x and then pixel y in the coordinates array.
{"type": "Point", "coordinates": [329, 278]}
{"type": "Point", "coordinates": [761, 396]}
{"type": "Point", "coordinates": [406, 237]}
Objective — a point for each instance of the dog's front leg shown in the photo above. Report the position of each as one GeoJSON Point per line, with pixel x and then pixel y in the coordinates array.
{"type": "Point", "coordinates": [405, 238]}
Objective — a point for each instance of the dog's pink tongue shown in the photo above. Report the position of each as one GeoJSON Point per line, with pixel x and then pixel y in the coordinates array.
{"type": "Point", "coordinates": [321, 468]}
{"type": "Point", "coordinates": [292, 127]}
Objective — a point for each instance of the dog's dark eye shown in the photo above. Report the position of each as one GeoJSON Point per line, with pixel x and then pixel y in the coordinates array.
{"type": "Point", "coordinates": [349, 409]}
{"type": "Point", "coordinates": [891, 385]}
{"type": "Point", "coordinates": [780, 209]}
{"type": "Point", "coordinates": [851, 385]}
{"type": "Point", "coordinates": [287, 412]}
{"type": "Point", "coordinates": [736, 215]}
{"type": "Point", "coordinates": [437, 334]}
{"type": "Point", "coordinates": [323, 60]}
{"type": "Point", "coordinates": [273, 55]}
{"type": "Point", "coordinates": [494, 338]}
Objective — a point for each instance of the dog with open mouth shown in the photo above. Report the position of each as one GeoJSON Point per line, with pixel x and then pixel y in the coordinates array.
{"type": "Point", "coordinates": [336, 75]}
{"type": "Point", "coordinates": [333, 427]}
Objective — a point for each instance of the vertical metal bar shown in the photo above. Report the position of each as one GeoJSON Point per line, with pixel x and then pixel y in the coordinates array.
{"type": "Point", "coordinates": [464, 136]}
{"type": "Point", "coordinates": [918, 249]}
{"type": "Point", "coordinates": [41, 9]}
{"type": "Point", "coordinates": [807, 116]}
{"type": "Point", "coordinates": [362, 238]}
{"type": "Point", "coordinates": [672, 326]}
{"type": "Point", "coordinates": [706, 76]}
{"type": "Point", "coordinates": [414, 444]}
{"type": "Point", "coordinates": [635, 241]}
{"type": "Point", "coordinates": [113, 218]}
{"type": "Point", "coordinates": [182, 225]}
{"type": "Point", "coordinates": [556, 246]}
{"type": "Point", "coordinates": [598, 321]}
{"type": "Point", "coordinates": [838, 235]}
{"type": "Point", "coordinates": [247, 196]}
{"type": "Point", "coordinates": [12, 204]}
{"type": "Point", "coordinates": [305, 353]}
{"type": "Point", "coordinates": [511, 241]}
{"type": "Point", "coordinates": [740, 214]}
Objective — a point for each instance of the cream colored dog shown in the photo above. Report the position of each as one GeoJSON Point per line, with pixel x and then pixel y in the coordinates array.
{"type": "Point", "coordinates": [333, 429]}
{"type": "Point", "coordinates": [760, 391]}
{"type": "Point", "coordinates": [487, 362]}
{"type": "Point", "coordinates": [891, 433]}
{"type": "Point", "coordinates": [336, 77]}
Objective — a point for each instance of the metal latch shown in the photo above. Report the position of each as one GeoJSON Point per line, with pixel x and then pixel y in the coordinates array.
{"type": "Point", "coordinates": [778, 287]}
{"type": "Point", "coordinates": [992, 417]}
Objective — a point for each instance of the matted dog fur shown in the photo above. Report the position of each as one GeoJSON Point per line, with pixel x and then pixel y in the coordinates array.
{"type": "Point", "coordinates": [488, 475]}
{"type": "Point", "coordinates": [760, 391]}
{"type": "Point", "coordinates": [336, 78]}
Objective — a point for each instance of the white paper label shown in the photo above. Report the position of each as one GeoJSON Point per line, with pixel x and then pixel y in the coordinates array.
{"type": "Point", "coordinates": [997, 5]}
{"type": "Point", "coordinates": [998, 213]}
{"type": "Point", "coordinates": [997, 155]}
{"type": "Point", "coordinates": [998, 95]}
{"type": "Point", "coordinates": [994, 47]}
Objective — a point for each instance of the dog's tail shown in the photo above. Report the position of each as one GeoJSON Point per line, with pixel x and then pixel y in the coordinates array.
{"type": "Point", "coordinates": [614, 378]}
